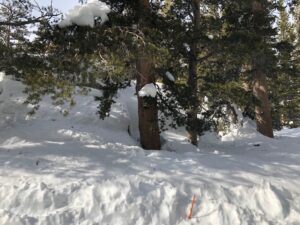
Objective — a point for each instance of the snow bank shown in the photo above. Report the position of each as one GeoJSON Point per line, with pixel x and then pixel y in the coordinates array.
{"type": "Point", "coordinates": [84, 15]}
{"type": "Point", "coordinates": [149, 90]}
{"type": "Point", "coordinates": [85, 171]}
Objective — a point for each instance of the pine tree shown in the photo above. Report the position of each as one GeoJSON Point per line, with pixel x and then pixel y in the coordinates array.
{"type": "Point", "coordinates": [296, 14]}
{"type": "Point", "coordinates": [147, 108]}
{"type": "Point", "coordinates": [15, 17]}
{"type": "Point", "coordinates": [281, 97]}
{"type": "Point", "coordinates": [194, 38]}
{"type": "Point", "coordinates": [12, 37]}
{"type": "Point", "coordinates": [285, 27]}
{"type": "Point", "coordinates": [131, 40]}
{"type": "Point", "coordinates": [250, 30]}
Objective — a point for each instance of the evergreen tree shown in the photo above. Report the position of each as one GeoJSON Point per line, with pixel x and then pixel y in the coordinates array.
{"type": "Point", "coordinates": [285, 100]}
{"type": "Point", "coordinates": [250, 29]}
{"type": "Point", "coordinates": [221, 52]}
{"type": "Point", "coordinates": [147, 108]}
{"type": "Point", "coordinates": [286, 30]}
{"type": "Point", "coordinates": [195, 40]}
{"type": "Point", "coordinates": [15, 18]}
{"type": "Point", "coordinates": [130, 38]}
{"type": "Point", "coordinates": [12, 38]}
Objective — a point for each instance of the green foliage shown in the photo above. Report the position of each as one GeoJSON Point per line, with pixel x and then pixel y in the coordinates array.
{"type": "Point", "coordinates": [286, 85]}
{"type": "Point", "coordinates": [229, 39]}
{"type": "Point", "coordinates": [109, 91]}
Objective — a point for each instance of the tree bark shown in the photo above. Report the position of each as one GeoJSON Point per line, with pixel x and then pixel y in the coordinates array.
{"type": "Point", "coordinates": [147, 107]}
{"type": "Point", "coordinates": [192, 78]}
{"type": "Point", "coordinates": [194, 98]}
{"type": "Point", "coordinates": [260, 88]}
{"type": "Point", "coordinates": [263, 109]}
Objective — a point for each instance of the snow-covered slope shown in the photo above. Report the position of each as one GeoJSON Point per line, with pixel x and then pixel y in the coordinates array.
{"type": "Point", "coordinates": [79, 170]}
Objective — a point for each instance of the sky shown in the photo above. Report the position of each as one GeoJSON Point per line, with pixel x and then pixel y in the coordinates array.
{"type": "Point", "coordinates": [62, 5]}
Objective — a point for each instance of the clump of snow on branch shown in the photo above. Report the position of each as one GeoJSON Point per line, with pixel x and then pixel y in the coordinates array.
{"type": "Point", "coordinates": [84, 15]}
{"type": "Point", "coordinates": [210, 36]}
{"type": "Point", "coordinates": [170, 76]}
{"type": "Point", "coordinates": [2, 75]}
{"type": "Point", "coordinates": [149, 90]}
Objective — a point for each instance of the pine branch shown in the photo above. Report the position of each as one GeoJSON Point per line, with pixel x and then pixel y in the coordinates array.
{"type": "Point", "coordinates": [27, 22]}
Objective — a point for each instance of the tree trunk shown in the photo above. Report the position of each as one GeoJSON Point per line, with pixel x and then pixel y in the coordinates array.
{"type": "Point", "coordinates": [147, 107]}
{"type": "Point", "coordinates": [263, 109]}
{"type": "Point", "coordinates": [260, 88]}
{"type": "Point", "coordinates": [192, 79]}
{"type": "Point", "coordinates": [194, 98]}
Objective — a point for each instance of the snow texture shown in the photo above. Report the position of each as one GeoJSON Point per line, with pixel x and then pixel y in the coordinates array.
{"type": "Point", "coordinates": [84, 15]}
{"type": "Point", "coordinates": [79, 170]}
{"type": "Point", "coordinates": [149, 90]}
{"type": "Point", "coordinates": [170, 76]}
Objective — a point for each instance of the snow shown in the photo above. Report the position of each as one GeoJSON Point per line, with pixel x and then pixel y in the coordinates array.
{"type": "Point", "coordinates": [187, 47]}
{"type": "Point", "coordinates": [210, 36]}
{"type": "Point", "coordinates": [84, 15]}
{"type": "Point", "coordinates": [149, 90]}
{"type": "Point", "coordinates": [2, 75]}
{"type": "Point", "coordinates": [84, 171]}
{"type": "Point", "coordinates": [170, 76]}
{"type": "Point", "coordinates": [241, 18]}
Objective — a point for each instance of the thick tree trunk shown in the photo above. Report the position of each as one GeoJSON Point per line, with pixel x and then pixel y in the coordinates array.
{"type": "Point", "coordinates": [192, 79]}
{"type": "Point", "coordinates": [263, 109]}
{"type": "Point", "coordinates": [147, 107]}
{"type": "Point", "coordinates": [194, 98]}
{"type": "Point", "coordinates": [260, 88]}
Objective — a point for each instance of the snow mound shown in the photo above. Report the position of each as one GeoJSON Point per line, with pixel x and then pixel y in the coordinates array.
{"type": "Point", "coordinates": [84, 15]}
{"type": "Point", "coordinates": [79, 170]}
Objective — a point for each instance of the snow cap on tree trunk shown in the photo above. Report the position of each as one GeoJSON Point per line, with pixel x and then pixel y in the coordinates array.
{"type": "Point", "coordinates": [149, 90]}
{"type": "Point", "coordinates": [84, 15]}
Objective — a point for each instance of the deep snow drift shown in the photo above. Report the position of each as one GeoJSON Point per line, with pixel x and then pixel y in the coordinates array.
{"type": "Point", "coordinates": [79, 170]}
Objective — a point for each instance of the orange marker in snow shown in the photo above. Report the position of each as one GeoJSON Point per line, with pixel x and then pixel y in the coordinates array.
{"type": "Point", "coordinates": [190, 215]}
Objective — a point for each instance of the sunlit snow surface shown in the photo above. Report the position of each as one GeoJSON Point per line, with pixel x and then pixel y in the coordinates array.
{"type": "Point", "coordinates": [79, 170]}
